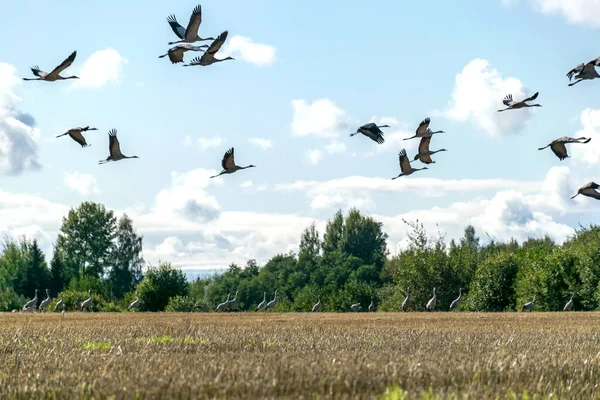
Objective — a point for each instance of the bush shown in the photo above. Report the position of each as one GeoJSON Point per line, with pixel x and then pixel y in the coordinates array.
{"type": "Point", "coordinates": [159, 285]}
{"type": "Point", "coordinates": [181, 304]}
{"type": "Point", "coordinates": [9, 300]}
{"type": "Point", "coordinates": [493, 286]}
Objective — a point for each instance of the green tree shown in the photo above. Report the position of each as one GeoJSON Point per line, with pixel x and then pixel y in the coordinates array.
{"type": "Point", "coordinates": [24, 267]}
{"type": "Point", "coordinates": [127, 260]}
{"type": "Point", "coordinates": [493, 288]}
{"type": "Point", "coordinates": [159, 285]}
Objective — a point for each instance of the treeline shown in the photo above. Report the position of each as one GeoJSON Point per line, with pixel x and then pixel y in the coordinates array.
{"type": "Point", "coordinates": [348, 264]}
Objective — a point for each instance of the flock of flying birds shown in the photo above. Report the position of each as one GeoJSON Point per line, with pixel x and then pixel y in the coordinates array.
{"type": "Point", "coordinates": [189, 35]}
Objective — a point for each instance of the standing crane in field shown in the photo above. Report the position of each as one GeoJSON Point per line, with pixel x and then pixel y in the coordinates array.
{"type": "Point", "coordinates": [558, 145]}
{"type": "Point", "coordinates": [189, 34]}
{"type": "Point", "coordinates": [208, 58]}
{"type": "Point", "coordinates": [405, 167]}
{"type": "Point", "coordinates": [372, 305]}
{"type": "Point", "coordinates": [432, 302]}
{"type": "Point", "coordinates": [31, 304]}
{"type": "Point", "coordinates": [87, 303]}
{"type": "Point", "coordinates": [228, 164]}
{"type": "Point", "coordinates": [317, 307]}
{"type": "Point", "coordinates": [424, 152]}
{"type": "Point", "coordinates": [232, 304]}
{"type": "Point", "coordinates": [176, 53]}
{"type": "Point", "coordinates": [372, 131]}
{"type": "Point", "coordinates": [406, 302]}
{"type": "Point", "coordinates": [46, 302]}
{"type": "Point", "coordinates": [135, 304]}
{"type": "Point", "coordinates": [60, 303]}
{"type": "Point", "coordinates": [114, 148]}
{"type": "Point", "coordinates": [75, 134]}
{"type": "Point", "coordinates": [55, 74]}
{"type": "Point", "coordinates": [223, 306]}
{"type": "Point", "coordinates": [356, 307]}
{"type": "Point", "coordinates": [584, 71]}
{"type": "Point", "coordinates": [529, 305]}
{"type": "Point", "coordinates": [262, 304]}
{"type": "Point", "coordinates": [423, 130]}
{"type": "Point", "coordinates": [589, 190]}
{"type": "Point", "coordinates": [569, 304]}
{"type": "Point", "coordinates": [272, 303]}
{"type": "Point", "coordinates": [515, 105]}
{"type": "Point", "coordinates": [457, 301]}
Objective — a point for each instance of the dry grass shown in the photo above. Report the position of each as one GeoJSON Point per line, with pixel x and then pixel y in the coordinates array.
{"type": "Point", "coordinates": [249, 355]}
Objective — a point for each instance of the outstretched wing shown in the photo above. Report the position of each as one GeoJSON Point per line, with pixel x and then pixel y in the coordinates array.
{"type": "Point", "coordinates": [113, 145]}
{"type": "Point", "coordinates": [176, 54]}
{"type": "Point", "coordinates": [508, 100]}
{"type": "Point", "coordinates": [424, 145]}
{"type": "Point", "coordinates": [374, 134]}
{"type": "Point", "coordinates": [176, 27]}
{"type": "Point", "coordinates": [217, 43]}
{"type": "Point", "coordinates": [535, 95]}
{"type": "Point", "coordinates": [195, 61]}
{"type": "Point", "coordinates": [423, 126]}
{"type": "Point", "coordinates": [404, 162]}
{"type": "Point", "coordinates": [559, 149]}
{"type": "Point", "coordinates": [228, 161]}
{"type": "Point", "coordinates": [76, 135]}
{"type": "Point", "coordinates": [575, 70]}
{"type": "Point", "coordinates": [65, 64]}
{"type": "Point", "coordinates": [37, 72]}
{"type": "Point", "coordinates": [195, 20]}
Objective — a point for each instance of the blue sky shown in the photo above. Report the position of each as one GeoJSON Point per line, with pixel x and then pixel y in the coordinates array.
{"type": "Point", "coordinates": [306, 74]}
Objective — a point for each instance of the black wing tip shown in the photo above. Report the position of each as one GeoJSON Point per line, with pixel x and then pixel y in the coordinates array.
{"type": "Point", "coordinates": [112, 132]}
{"type": "Point", "coordinates": [197, 9]}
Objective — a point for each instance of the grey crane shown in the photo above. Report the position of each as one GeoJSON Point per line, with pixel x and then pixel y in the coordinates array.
{"type": "Point", "coordinates": [223, 306]}
{"type": "Point", "coordinates": [114, 148]}
{"type": "Point", "coordinates": [356, 307]}
{"type": "Point", "coordinates": [189, 34]}
{"type": "Point", "coordinates": [406, 302]}
{"type": "Point", "coordinates": [75, 134]}
{"type": "Point", "coordinates": [55, 74]}
{"type": "Point", "coordinates": [584, 71]}
{"type": "Point", "coordinates": [176, 53]}
{"type": "Point", "coordinates": [372, 305]}
{"type": "Point", "coordinates": [423, 130]}
{"type": "Point", "coordinates": [569, 304]}
{"type": "Point", "coordinates": [87, 303]}
{"type": "Point", "coordinates": [46, 302]}
{"type": "Point", "coordinates": [228, 164]}
{"type": "Point", "coordinates": [32, 303]}
{"type": "Point", "coordinates": [405, 167]}
{"type": "Point", "coordinates": [558, 145]}
{"type": "Point", "coordinates": [529, 305]}
{"type": "Point", "coordinates": [135, 304]}
{"type": "Point", "coordinates": [457, 301]}
{"type": "Point", "coordinates": [424, 152]}
{"type": "Point", "coordinates": [60, 303]}
{"type": "Point", "coordinates": [432, 302]}
{"type": "Point", "coordinates": [232, 303]}
{"type": "Point", "coordinates": [208, 58]}
{"type": "Point", "coordinates": [589, 190]}
{"type": "Point", "coordinates": [372, 131]}
{"type": "Point", "coordinates": [514, 105]}
{"type": "Point", "coordinates": [317, 307]}
{"type": "Point", "coordinates": [272, 303]}
{"type": "Point", "coordinates": [262, 304]}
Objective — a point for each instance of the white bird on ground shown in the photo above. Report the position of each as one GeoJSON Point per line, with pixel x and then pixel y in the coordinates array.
{"type": "Point", "coordinates": [356, 307]}
{"type": "Point", "coordinates": [87, 303]}
{"type": "Point", "coordinates": [457, 301]}
{"type": "Point", "coordinates": [272, 303]}
{"type": "Point", "coordinates": [529, 306]}
{"type": "Point", "coordinates": [232, 303]}
{"type": "Point", "coordinates": [317, 307]}
{"type": "Point", "coordinates": [223, 306]}
{"type": "Point", "coordinates": [406, 302]}
{"type": "Point", "coordinates": [135, 304]}
{"type": "Point", "coordinates": [262, 304]}
{"type": "Point", "coordinates": [569, 304]}
{"type": "Point", "coordinates": [32, 303]}
{"type": "Point", "coordinates": [61, 303]}
{"type": "Point", "coordinates": [372, 305]}
{"type": "Point", "coordinates": [46, 302]}
{"type": "Point", "coordinates": [432, 302]}
{"type": "Point", "coordinates": [584, 71]}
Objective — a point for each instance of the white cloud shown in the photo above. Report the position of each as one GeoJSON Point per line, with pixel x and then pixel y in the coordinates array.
{"type": "Point", "coordinates": [314, 156]}
{"type": "Point", "coordinates": [478, 93]}
{"type": "Point", "coordinates": [246, 184]}
{"type": "Point", "coordinates": [262, 143]}
{"type": "Point", "coordinates": [209, 143]}
{"type": "Point", "coordinates": [187, 141]}
{"type": "Point", "coordinates": [100, 69]}
{"type": "Point", "coordinates": [585, 12]}
{"type": "Point", "coordinates": [18, 136]}
{"type": "Point", "coordinates": [84, 184]}
{"type": "Point", "coordinates": [588, 153]}
{"type": "Point", "coordinates": [244, 48]}
{"type": "Point", "coordinates": [335, 147]}
{"type": "Point", "coordinates": [322, 118]}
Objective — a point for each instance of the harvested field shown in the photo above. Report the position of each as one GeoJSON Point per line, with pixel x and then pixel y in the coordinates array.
{"type": "Point", "coordinates": [294, 355]}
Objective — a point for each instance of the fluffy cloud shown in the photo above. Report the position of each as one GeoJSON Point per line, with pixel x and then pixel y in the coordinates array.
{"type": "Point", "coordinates": [246, 49]}
{"type": "Point", "coordinates": [585, 12]}
{"type": "Point", "coordinates": [478, 93]}
{"type": "Point", "coordinates": [209, 143]}
{"type": "Point", "coordinates": [262, 143]}
{"type": "Point", "coordinates": [84, 184]}
{"type": "Point", "coordinates": [100, 69]}
{"type": "Point", "coordinates": [321, 118]}
{"type": "Point", "coordinates": [247, 184]}
{"type": "Point", "coordinates": [314, 156]}
{"type": "Point", "coordinates": [589, 153]}
{"type": "Point", "coordinates": [18, 136]}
